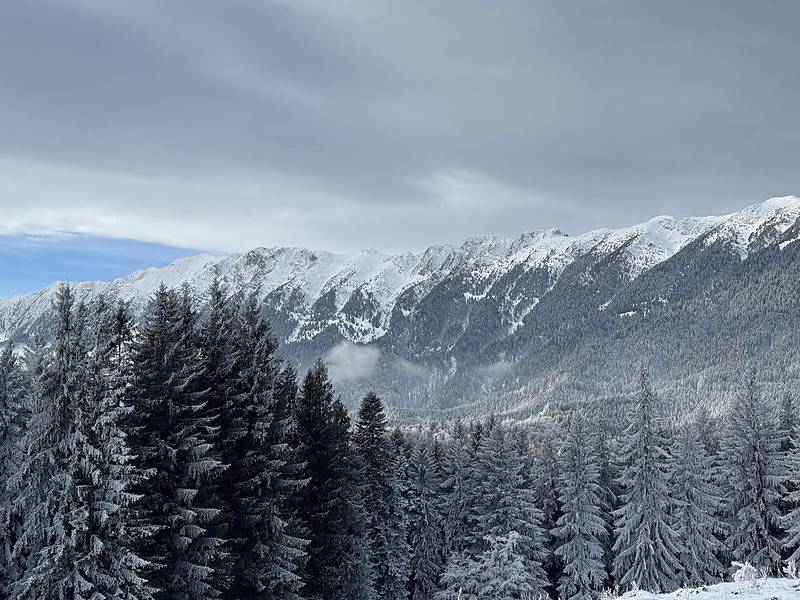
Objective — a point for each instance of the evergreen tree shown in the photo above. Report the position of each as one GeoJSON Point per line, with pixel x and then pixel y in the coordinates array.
{"type": "Point", "coordinates": [606, 445]}
{"type": "Point", "coordinates": [385, 525]}
{"type": "Point", "coordinates": [46, 486]}
{"type": "Point", "coordinates": [225, 427]}
{"type": "Point", "coordinates": [12, 398]}
{"type": "Point", "coordinates": [506, 505]}
{"type": "Point", "coordinates": [171, 437]}
{"type": "Point", "coordinates": [109, 566]}
{"type": "Point", "coordinates": [457, 489]}
{"type": "Point", "coordinates": [502, 571]}
{"type": "Point", "coordinates": [698, 508]}
{"type": "Point", "coordinates": [330, 504]}
{"type": "Point", "coordinates": [26, 486]}
{"type": "Point", "coordinates": [755, 472]}
{"type": "Point", "coordinates": [426, 522]}
{"type": "Point", "coordinates": [545, 469]}
{"type": "Point", "coordinates": [348, 514]}
{"type": "Point", "coordinates": [254, 432]}
{"type": "Point", "coordinates": [73, 485]}
{"type": "Point", "coordinates": [646, 546]}
{"type": "Point", "coordinates": [581, 528]}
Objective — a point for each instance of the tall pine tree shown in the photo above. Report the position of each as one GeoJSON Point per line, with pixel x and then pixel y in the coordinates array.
{"type": "Point", "coordinates": [330, 504]}
{"type": "Point", "coordinates": [647, 547]}
{"type": "Point", "coordinates": [580, 529]}
{"type": "Point", "coordinates": [267, 556]}
{"type": "Point", "coordinates": [385, 525]}
{"type": "Point", "coordinates": [12, 423]}
{"type": "Point", "coordinates": [755, 471]}
{"type": "Point", "coordinates": [427, 532]}
{"type": "Point", "coordinates": [699, 506]}
{"type": "Point", "coordinates": [171, 437]}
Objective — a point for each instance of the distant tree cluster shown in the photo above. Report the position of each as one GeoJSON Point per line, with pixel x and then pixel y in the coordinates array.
{"type": "Point", "coordinates": [178, 458]}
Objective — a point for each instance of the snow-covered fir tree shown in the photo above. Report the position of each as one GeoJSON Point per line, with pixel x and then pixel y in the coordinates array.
{"type": "Point", "coordinates": [12, 423]}
{"type": "Point", "coordinates": [501, 571]}
{"type": "Point", "coordinates": [110, 566]}
{"type": "Point", "coordinates": [330, 504]}
{"type": "Point", "coordinates": [699, 508]}
{"type": "Point", "coordinates": [348, 514]}
{"type": "Point", "coordinates": [544, 466]}
{"type": "Point", "coordinates": [170, 435]}
{"type": "Point", "coordinates": [755, 472]}
{"type": "Point", "coordinates": [426, 520]}
{"type": "Point", "coordinates": [606, 444]}
{"type": "Point", "coordinates": [77, 539]}
{"type": "Point", "coordinates": [506, 521]}
{"type": "Point", "coordinates": [225, 430]}
{"type": "Point", "coordinates": [457, 488]}
{"type": "Point", "coordinates": [386, 523]}
{"type": "Point", "coordinates": [47, 483]}
{"type": "Point", "coordinates": [581, 529]}
{"type": "Point", "coordinates": [646, 545]}
{"type": "Point", "coordinates": [265, 554]}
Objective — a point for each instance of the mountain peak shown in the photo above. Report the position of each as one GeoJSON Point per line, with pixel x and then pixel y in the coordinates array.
{"type": "Point", "coordinates": [324, 290]}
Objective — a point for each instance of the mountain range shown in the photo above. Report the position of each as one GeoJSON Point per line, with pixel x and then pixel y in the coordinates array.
{"type": "Point", "coordinates": [517, 324]}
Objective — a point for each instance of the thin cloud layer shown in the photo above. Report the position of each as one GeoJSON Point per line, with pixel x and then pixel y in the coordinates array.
{"type": "Point", "coordinates": [358, 123]}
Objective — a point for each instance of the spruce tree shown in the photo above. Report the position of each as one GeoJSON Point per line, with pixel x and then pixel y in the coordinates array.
{"type": "Point", "coordinates": [606, 445]}
{"type": "Point", "coordinates": [755, 471]}
{"type": "Point", "coordinates": [47, 483]}
{"type": "Point", "coordinates": [171, 437]}
{"type": "Point", "coordinates": [12, 398]}
{"type": "Point", "coordinates": [426, 521]}
{"type": "Point", "coordinates": [544, 465]}
{"type": "Point", "coordinates": [110, 566]}
{"type": "Point", "coordinates": [699, 506]}
{"type": "Point", "coordinates": [505, 504]}
{"type": "Point", "coordinates": [581, 529]}
{"type": "Point", "coordinates": [385, 525]}
{"type": "Point", "coordinates": [329, 505]}
{"type": "Point", "coordinates": [501, 571]}
{"type": "Point", "coordinates": [457, 488]}
{"type": "Point", "coordinates": [647, 547]}
{"type": "Point", "coordinates": [24, 485]}
{"type": "Point", "coordinates": [73, 485]}
{"type": "Point", "coordinates": [267, 556]}
{"type": "Point", "coordinates": [349, 514]}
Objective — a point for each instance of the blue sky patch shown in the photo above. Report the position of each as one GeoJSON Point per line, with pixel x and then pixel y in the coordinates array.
{"type": "Point", "coordinates": [29, 263]}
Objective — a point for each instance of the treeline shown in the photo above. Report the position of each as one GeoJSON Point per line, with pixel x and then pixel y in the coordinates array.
{"type": "Point", "coordinates": [178, 458]}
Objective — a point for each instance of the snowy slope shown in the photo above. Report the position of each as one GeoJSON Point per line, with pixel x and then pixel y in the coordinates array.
{"type": "Point", "coordinates": [761, 589]}
{"type": "Point", "coordinates": [361, 294]}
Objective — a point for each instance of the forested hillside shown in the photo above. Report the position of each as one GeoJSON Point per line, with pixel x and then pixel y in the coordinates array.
{"type": "Point", "coordinates": [181, 458]}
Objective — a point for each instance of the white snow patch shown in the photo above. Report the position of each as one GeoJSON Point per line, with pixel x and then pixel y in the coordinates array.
{"type": "Point", "coordinates": [760, 589]}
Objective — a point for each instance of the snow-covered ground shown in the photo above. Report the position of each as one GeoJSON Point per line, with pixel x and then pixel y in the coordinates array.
{"type": "Point", "coordinates": [759, 589]}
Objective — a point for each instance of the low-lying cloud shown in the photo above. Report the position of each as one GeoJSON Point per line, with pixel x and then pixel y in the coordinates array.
{"type": "Point", "coordinates": [349, 362]}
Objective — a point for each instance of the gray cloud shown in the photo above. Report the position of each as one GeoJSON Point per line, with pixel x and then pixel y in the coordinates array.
{"type": "Point", "coordinates": [343, 123]}
{"type": "Point", "coordinates": [347, 362]}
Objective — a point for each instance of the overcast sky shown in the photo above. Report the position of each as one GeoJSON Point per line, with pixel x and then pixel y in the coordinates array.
{"type": "Point", "coordinates": [341, 124]}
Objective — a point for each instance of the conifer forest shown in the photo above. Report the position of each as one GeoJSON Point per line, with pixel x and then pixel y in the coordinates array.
{"type": "Point", "coordinates": [178, 457]}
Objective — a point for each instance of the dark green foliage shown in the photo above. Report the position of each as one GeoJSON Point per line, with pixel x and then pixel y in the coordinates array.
{"type": "Point", "coordinates": [171, 433]}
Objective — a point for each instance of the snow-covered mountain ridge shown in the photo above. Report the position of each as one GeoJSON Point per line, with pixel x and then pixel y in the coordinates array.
{"type": "Point", "coordinates": [514, 320]}
{"type": "Point", "coordinates": [358, 292]}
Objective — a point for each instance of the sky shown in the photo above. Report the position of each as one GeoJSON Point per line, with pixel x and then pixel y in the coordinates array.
{"type": "Point", "coordinates": [135, 132]}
